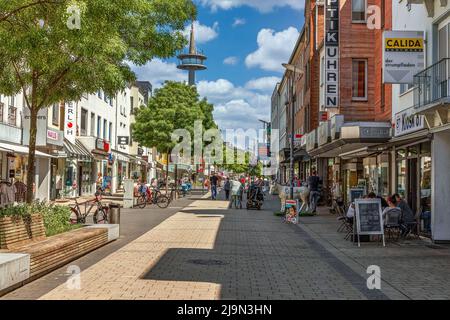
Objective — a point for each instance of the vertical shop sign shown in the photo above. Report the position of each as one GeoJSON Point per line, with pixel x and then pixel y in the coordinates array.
{"type": "Point", "coordinates": [331, 53]}
{"type": "Point", "coordinates": [70, 122]}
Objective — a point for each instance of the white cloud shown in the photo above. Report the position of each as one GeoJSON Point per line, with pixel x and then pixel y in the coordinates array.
{"type": "Point", "coordinates": [274, 48]}
{"type": "Point", "coordinates": [235, 107]}
{"type": "Point", "coordinates": [232, 61]}
{"type": "Point", "coordinates": [239, 22]}
{"type": "Point", "coordinates": [203, 33]}
{"type": "Point", "coordinates": [266, 84]}
{"type": "Point", "coordinates": [158, 71]}
{"type": "Point", "coordinates": [261, 5]}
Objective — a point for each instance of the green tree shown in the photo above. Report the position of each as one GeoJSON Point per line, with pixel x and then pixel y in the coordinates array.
{"type": "Point", "coordinates": [240, 168]}
{"type": "Point", "coordinates": [50, 62]}
{"type": "Point", "coordinates": [175, 106]}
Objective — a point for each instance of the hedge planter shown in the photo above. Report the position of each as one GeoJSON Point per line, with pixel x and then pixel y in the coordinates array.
{"type": "Point", "coordinates": [15, 230]}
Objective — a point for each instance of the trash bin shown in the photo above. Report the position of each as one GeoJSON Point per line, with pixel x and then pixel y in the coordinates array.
{"type": "Point", "coordinates": [114, 213]}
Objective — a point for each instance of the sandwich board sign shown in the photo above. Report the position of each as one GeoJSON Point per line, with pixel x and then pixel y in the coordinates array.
{"type": "Point", "coordinates": [291, 211]}
{"type": "Point", "coordinates": [369, 218]}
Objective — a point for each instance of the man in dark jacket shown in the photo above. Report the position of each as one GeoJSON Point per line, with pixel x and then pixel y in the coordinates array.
{"type": "Point", "coordinates": [313, 185]}
{"type": "Point", "coordinates": [227, 188]}
{"type": "Point", "coordinates": [213, 182]}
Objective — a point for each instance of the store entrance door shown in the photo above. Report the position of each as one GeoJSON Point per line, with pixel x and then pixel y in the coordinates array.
{"type": "Point", "coordinates": [413, 184]}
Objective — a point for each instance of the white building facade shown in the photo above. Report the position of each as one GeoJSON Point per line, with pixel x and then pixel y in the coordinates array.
{"type": "Point", "coordinates": [421, 152]}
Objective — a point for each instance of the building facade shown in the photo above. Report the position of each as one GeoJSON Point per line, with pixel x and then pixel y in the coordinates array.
{"type": "Point", "coordinates": [420, 114]}
{"type": "Point", "coordinates": [362, 132]}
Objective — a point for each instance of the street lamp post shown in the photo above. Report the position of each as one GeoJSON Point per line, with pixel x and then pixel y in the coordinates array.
{"type": "Point", "coordinates": [294, 72]}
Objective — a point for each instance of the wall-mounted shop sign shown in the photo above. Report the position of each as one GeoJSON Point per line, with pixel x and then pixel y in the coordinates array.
{"type": "Point", "coordinates": [407, 122]}
{"type": "Point", "coordinates": [311, 140]}
{"type": "Point", "coordinates": [324, 133]}
{"type": "Point", "coordinates": [41, 134]}
{"type": "Point", "coordinates": [336, 123]}
{"type": "Point", "coordinates": [55, 137]}
{"type": "Point", "coordinates": [101, 144]}
{"type": "Point", "coordinates": [403, 55]}
{"type": "Point", "coordinates": [70, 123]}
{"type": "Point", "coordinates": [123, 140]}
{"type": "Point", "coordinates": [331, 53]}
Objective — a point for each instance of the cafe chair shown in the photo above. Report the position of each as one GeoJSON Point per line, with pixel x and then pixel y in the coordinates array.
{"type": "Point", "coordinates": [392, 223]}
{"type": "Point", "coordinates": [413, 229]}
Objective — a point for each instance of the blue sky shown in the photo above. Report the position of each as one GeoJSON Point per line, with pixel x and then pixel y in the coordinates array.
{"type": "Point", "coordinates": [245, 41]}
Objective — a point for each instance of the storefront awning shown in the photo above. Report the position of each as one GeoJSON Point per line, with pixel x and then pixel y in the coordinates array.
{"type": "Point", "coordinates": [22, 150]}
{"type": "Point", "coordinates": [354, 136]}
{"type": "Point", "coordinates": [360, 153]}
{"type": "Point", "coordinates": [77, 150]}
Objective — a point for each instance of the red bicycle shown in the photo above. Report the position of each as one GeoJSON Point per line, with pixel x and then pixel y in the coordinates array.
{"type": "Point", "coordinates": [100, 214]}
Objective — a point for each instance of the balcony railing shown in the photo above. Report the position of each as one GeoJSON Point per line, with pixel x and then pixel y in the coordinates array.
{"type": "Point", "coordinates": [432, 84]}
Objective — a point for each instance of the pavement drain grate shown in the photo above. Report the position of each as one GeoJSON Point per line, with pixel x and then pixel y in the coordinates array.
{"type": "Point", "coordinates": [208, 262]}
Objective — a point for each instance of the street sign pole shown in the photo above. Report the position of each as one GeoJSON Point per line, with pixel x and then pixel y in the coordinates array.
{"type": "Point", "coordinates": [292, 139]}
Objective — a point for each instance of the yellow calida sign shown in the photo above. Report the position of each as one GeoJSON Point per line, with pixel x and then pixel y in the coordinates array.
{"type": "Point", "coordinates": [404, 44]}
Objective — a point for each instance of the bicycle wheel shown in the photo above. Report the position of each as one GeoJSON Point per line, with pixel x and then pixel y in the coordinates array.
{"type": "Point", "coordinates": [100, 216]}
{"type": "Point", "coordinates": [162, 201]}
{"type": "Point", "coordinates": [74, 216]}
{"type": "Point", "coordinates": [141, 201]}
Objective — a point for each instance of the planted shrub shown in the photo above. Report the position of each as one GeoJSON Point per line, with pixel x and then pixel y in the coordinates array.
{"type": "Point", "coordinates": [56, 218]}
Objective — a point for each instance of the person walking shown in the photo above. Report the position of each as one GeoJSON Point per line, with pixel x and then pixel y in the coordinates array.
{"type": "Point", "coordinates": [213, 183]}
{"type": "Point", "coordinates": [313, 185]}
{"type": "Point", "coordinates": [227, 188]}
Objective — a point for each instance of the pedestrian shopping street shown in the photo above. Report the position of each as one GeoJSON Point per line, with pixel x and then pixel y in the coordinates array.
{"type": "Point", "coordinates": [207, 251]}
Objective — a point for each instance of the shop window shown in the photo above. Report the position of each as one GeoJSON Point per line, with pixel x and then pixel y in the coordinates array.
{"type": "Point", "coordinates": [92, 124]}
{"type": "Point", "coordinates": [404, 87]}
{"type": "Point", "coordinates": [110, 131]}
{"type": "Point", "coordinates": [131, 104]}
{"type": "Point", "coordinates": [12, 115]}
{"type": "Point", "coordinates": [413, 151]}
{"type": "Point", "coordinates": [105, 128]}
{"type": "Point", "coordinates": [83, 125]}
{"type": "Point", "coordinates": [55, 114]}
{"type": "Point", "coordinates": [425, 148]}
{"type": "Point", "coordinates": [2, 107]}
{"type": "Point", "coordinates": [99, 126]}
{"type": "Point", "coordinates": [359, 10]}
{"type": "Point", "coordinates": [359, 79]}
{"type": "Point", "coordinates": [401, 153]}
{"type": "Point", "coordinates": [401, 178]}
{"type": "Point", "coordinates": [425, 184]}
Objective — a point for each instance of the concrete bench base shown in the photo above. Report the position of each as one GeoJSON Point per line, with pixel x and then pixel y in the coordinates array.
{"type": "Point", "coordinates": [14, 269]}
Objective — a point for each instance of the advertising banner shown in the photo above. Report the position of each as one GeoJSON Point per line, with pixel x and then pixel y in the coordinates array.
{"type": "Point", "coordinates": [403, 56]}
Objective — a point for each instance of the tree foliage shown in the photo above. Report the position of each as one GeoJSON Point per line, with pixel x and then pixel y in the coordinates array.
{"type": "Point", "coordinates": [175, 106]}
{"type": "Point", "coordinates": [50, 62]}
{"type": "Point", "coordinates": [236, 165]}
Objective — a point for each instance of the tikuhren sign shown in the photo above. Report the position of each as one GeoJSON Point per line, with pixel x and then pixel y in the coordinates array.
{"type": "Point", "coordinates": [331, 53]}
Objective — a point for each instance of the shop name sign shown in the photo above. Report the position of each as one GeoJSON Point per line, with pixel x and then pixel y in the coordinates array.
{"type": "Point", "coordinates": [331, 53]}
{"type": "Point", "coordinates": [403, 55]}
{"type": "Point", "coordinates": [70, 122]}
{"type": "Point", "coordinates": [407, 122]}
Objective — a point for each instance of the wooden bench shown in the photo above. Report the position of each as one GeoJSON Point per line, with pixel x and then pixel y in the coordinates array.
{"type": "Point", "coordinates": [15, 231]}
{"type": "Point", "coordinates": [56, 251]}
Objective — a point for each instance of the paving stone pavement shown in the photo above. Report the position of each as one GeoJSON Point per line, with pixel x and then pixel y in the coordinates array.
{"type": "Point", "coordinates": [207, 251]}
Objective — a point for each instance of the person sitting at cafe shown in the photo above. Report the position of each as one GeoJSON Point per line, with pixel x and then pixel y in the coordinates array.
{"type": "Point", "coordinates": [407, 214]}
{"type": "Point", "coordinates": [391, 206]}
